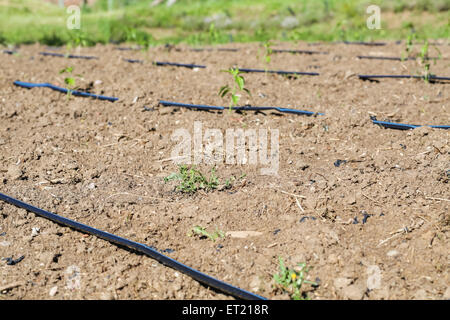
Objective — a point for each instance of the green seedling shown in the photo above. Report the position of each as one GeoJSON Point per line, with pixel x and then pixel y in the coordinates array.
{"type": "Point", "coordinates": [192, 180]}
{"type": "Point", "coordinates": [409, 46]}
{"type": "Point", "coordinates": [201, 231]}
{"type": "Point", "coordinates": [229, 182]}
{"type": "Point", "coordinates": [425, 61]}
{"type": "Point", "coordinates": [213, 33]}
{"type": "Point", "coordinates": [239, 86]}
{"type": "Point", "coordinates": [291, 281]}
{"type": "Point", "coordinates": [70, 80]}
{"type": "Point", "coordinates": [268, 53]}
{"type": "Point", "coordinates": [77, 39]}
{"type": "Point", "coordinates": [142, 39]}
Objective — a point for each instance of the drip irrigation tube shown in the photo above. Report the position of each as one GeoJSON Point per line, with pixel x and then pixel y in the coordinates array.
{"type": "Point", "coordinates": [391, 58]}
{"type": "Point", "coordinates": [368, 77]}
{"type": "Point", "coordinates": [298, 51]}
{"type": "Point", "coordinates": [402, 126]}
{"type": "Point", "coordinates": [362, 43]}
{"type": "Point", "coordinates": [136, 246]}
{"type": "Point", "coordinates": [280, 72]}
{"type": "Point", "coordinates": [210, 49]}
{"type": "Point", "coordinates": [243, 108]}
{"type": "Point", "coordinates": [70, 56]}
{"type": "Point", "coordinates": [133, 60]}
{"type": "Point", "coordinates": [200, 49]}
{"type": "Point", "coordinates": [381, 58]}
{"type": "Point", "coordinates": [192, 66]}
{"type": "Point", "coordinates": [29, 85]}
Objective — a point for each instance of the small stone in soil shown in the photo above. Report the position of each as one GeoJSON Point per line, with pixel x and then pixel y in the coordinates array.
{"type": "Point", "coordinates": [53, 291]}
{"type": "Point", "coordinates": [35, 231]}
{"type": "Point", "coordinates": [276, 231]}
{"type": "Point", "coordinates": [355, 220]}
{"type": "Point", "coordinates": [11, 261]}
{"type": "Point", "coordinates": [393, 253]}
{"type": "Point", "coordinates": [2, 234]}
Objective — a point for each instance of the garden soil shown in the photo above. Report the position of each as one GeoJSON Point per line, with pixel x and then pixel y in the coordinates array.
{"type": "Point", "coordinates": [371, 226]}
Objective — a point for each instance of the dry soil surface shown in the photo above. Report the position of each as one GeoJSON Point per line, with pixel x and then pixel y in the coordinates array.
{"type": "Point", "coordinates": [374, 227]}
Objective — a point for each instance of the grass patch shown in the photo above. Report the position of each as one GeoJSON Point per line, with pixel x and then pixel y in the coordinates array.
{"type": "Point", "coordinates": [199, 22]}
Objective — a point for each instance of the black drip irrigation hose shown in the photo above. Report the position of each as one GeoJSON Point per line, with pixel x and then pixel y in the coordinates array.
{"type": "Point", "coordinates": [29, 85]}
{"type": "Point", "coordinates": [200, 49]}
{"type": "Point", "coordinates": [136, 246]}
{"type": "Point", "coordinates": [402, 126]}
{"type": "Point", "coordinates": [299, 51]}
{"type": "Point", "coordinates": [228, 49]}
{"type": "Point", "coordinates": [133, 60]}
{"type": "Point", "coordinates": [362, 43]}
{"type": "Point", "coordinates": [126, 49]}
{"type": "Point", "coordinates": [210, 49]}
{"type": "Point", "coordinates": [243, 108]}
{"type": "Point", "coordinates": [279, 72]}
{"type": "Point", "coordinates": [392, 58]}
{"type": "Point", "coordinates": [373, 76]}
{"type": "Point", "coordinates": [174, 64]}
{"type": "Point", "coordinates": [70, 56]}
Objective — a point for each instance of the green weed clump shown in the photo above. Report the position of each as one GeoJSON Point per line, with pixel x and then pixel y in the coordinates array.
{"type": "Point", "coordinates": [201, 231]}
{"type": "Point", "coordinates": [211, 22]}
{"type": "Point", "coordinates": [192, 180]}
{"type": "Point", "coordinates": [291, 280]}
{"type": "Point", "coordinates": [238, 86]}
